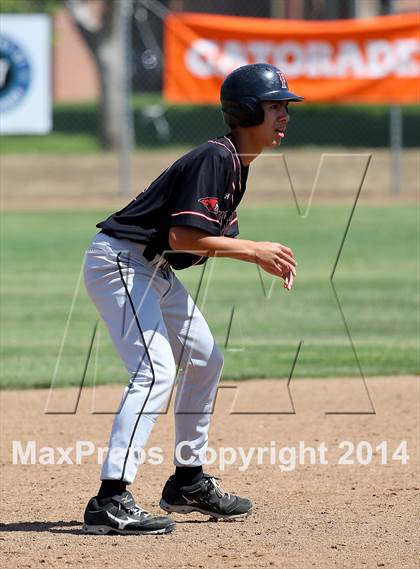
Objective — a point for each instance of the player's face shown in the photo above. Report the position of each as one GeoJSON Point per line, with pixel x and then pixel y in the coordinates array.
{"type": "Point", "coordinates": [276, 117]}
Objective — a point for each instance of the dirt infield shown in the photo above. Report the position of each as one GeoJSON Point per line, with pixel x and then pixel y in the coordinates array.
{"type": "Point", "coordinates": [81, 181]}
{"type": "Point", "coordinates": [312, 515]}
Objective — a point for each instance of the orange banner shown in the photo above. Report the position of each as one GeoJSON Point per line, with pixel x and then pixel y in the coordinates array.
{"type": "Point", "coordinates": [374, 60]}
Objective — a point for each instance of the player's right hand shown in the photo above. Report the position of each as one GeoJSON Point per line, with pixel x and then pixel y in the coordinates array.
{"type": "Point", "coordinates": [274, 258]}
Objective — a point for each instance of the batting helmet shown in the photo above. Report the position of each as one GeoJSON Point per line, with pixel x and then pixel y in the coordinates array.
{"type": "Point", "coordinates": [244, 89]}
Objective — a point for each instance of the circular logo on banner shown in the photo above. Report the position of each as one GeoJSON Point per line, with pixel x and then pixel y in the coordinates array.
{"type": "Point", "coordinates": [15, 73]}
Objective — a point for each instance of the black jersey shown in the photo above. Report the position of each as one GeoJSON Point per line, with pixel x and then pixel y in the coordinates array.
{"type": "Point", "coordinates": [202, 189]}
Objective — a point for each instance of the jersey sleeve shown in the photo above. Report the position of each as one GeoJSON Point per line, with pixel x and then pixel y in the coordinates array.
{"type": "Point", "coordinates": [198, 196]}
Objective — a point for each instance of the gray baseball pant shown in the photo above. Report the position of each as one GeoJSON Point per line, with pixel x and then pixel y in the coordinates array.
{"type": "Point", "coordinates": [155, 327]}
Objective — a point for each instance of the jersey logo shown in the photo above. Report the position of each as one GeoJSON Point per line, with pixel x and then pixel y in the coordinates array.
{"type": "Point", "coordinates": [211, 204]}
{"type": "Point", "coordinates": [283, 79]}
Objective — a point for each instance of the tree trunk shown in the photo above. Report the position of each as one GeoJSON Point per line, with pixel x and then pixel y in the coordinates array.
{"type": "Point", "coordinates": [109, 58]}
{"type": "Point", "coordinates": [105, 40]}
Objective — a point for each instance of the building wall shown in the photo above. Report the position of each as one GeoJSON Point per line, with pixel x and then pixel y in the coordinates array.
{"type": "Point", "coordinates": [74, 72]}
{"type": "Point", "coordinates": [406, 6]}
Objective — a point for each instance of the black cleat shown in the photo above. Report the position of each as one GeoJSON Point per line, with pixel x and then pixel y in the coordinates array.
{"type": "Point", "coordinates": [122, 515]}
{"type": "Point", "coordinates": [206, 497]}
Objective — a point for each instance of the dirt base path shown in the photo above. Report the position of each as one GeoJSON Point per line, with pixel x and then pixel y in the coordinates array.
{"type": "Point", "coordinates": [313, 515]}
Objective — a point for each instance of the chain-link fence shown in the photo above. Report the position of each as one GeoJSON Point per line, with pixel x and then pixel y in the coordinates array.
{"type": "Point", "coordinates": [158, 123]}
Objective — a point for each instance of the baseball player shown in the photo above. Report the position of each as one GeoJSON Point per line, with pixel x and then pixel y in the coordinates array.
{"type": "Point", "coordinates": [185, 216]}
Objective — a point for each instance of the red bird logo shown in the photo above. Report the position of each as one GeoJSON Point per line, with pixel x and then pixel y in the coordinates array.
{"type": "Point", "coordinates": [211, 204]}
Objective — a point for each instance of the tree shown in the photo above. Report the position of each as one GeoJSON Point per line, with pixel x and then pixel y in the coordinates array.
{"type": "Point", "coordinates": [28, 6]}
{"type": "Point", "coordinates": [101, 24]}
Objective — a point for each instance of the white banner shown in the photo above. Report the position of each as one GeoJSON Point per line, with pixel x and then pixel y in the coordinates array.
{"type": "Point", "coordinates": [25, 74]}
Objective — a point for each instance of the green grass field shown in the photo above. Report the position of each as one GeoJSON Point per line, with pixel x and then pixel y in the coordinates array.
{"type": "Point", "coordinates": [376, 281]}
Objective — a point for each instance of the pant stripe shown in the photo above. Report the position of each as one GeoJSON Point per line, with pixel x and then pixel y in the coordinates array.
{"type": "Point", "coordinates": [150, 360]}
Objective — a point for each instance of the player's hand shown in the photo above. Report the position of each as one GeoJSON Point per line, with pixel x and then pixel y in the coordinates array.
{"type": "Point", "coordinates": [276, 259]}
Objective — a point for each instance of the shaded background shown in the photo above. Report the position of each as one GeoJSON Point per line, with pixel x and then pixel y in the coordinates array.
{"type": "Point", "coordinates": [77, 86]}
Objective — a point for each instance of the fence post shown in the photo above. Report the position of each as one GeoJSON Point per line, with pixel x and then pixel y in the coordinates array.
{"type": "Point", "coordinates": [396, 134]}
{"type": "Point", "coordinates": [127, 127]}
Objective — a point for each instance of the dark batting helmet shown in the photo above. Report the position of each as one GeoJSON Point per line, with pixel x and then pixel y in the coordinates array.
{"type": "Point", "coordinates": [244, 89]}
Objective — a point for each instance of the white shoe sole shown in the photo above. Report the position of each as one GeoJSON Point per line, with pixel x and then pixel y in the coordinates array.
{"type": "Point", "coordinates": [104, 530]}
{"type": "Point", "coordinates": [173, 509]}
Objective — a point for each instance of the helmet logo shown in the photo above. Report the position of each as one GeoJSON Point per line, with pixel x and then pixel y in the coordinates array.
{"type": "Point", "coordinates": [211, 204]}
{"type": "Point", "coordinates": [283, 79]}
